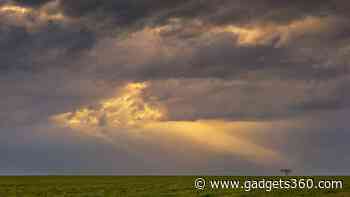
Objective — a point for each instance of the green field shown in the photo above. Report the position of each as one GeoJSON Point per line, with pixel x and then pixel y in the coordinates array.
{"type": "Point", "coordinates": [105, 186]}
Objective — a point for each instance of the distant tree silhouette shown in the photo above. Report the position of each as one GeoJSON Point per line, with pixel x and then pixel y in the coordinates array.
{"type": "Point", "coordinates": [286, 171]}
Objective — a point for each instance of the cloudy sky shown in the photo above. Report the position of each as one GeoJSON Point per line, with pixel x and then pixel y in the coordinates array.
{"type": "Point", "coordinates": [175, 86]}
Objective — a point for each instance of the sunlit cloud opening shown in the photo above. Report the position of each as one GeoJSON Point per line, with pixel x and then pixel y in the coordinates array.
{"type": "Point", "coordinates": [32, 17]}
{"type": "Point", "coordinates": [127, 109]}
{"type": "Point", "coordinates": [15, 9]}
{"type": "Point", "coordinates": [263, 34]}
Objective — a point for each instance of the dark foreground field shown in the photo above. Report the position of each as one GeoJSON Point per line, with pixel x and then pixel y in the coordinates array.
{"type": "Point", "coordinates": [100, 186]}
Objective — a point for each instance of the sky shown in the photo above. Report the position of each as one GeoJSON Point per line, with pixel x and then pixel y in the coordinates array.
{"type": "Point", "coordinates": [224, 87]}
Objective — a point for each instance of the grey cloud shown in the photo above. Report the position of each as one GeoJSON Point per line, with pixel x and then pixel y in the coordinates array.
{"type": "Point", "coordinates": [63, 65]}
{"type": "Point", "coordinates": [220, 57]}
{"type": "Point", "coordinates": [240, 100]}
{"type": "Point", "coordinates": [329, 96]}
{"type": "Point", "coordinates": [249, 12]}
{"type": "Point", "coordinates": [29, 98]}
{"type": "Point", "coordinates": [31, 2]}
{"type": "Point", "coordinates": [231, 100]}
{"type": "Point", "coordinates": [80, 52]}
{"type": "Point", "coordinates": [52, 46]}
{"type": "Point", "coordinates": [215, 56]}
{"type": "Point", "coordinates": [59, 152]}
{"type": "Point", "coordinates": [217, 11]}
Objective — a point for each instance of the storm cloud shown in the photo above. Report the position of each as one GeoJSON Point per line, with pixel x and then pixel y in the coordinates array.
{"type": "Point", "coordinates": [282, 66]}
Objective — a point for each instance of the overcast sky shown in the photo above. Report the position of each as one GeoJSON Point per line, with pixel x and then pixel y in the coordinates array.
{"type": "Point", "coordinates": [175, 86]}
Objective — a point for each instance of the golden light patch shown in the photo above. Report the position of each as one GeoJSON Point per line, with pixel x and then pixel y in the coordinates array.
{"type": "Point", "coordinates": [126, 109]}
{"type": "Point", "coordinates": [218, 136]}
{"type": "Point", "coordinates": [46, 16]}
{"type": "Point", "coordinates": [128, 112]}
{"type": "Point", "coordinates": [245, 36]}
{"type": "Point", "coordinates": [42, 14]}
{"type": "Point", "coordinates": [262, 34]}
{"type": "Point", "coordinates": [15, 9]}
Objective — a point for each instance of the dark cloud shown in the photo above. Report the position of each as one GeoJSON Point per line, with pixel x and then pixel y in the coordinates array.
{"type": "Point", "coordinates": [236, 60]}
{"type": "Point", "coordinates": [321, 98]}
{"type": "Point", "coordinates": [249, 12]}
{"type": "Point", "coordinates": [52, 46]}
{"type": "Point", "coordinates": [217, 11]}
{"type": "Point", "coordinates": [220, 56]}
{"type": "Point", "coordinates": [32, 2]}
{"type": "Point", "coordinates": [75, 48]}
{"type": "Point", "coordinates": [120, 12]}
{"type": "Point", "coordinates": [247, 101]}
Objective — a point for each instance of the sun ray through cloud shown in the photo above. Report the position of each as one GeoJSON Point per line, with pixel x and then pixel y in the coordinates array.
{"type": "Point", "coordinates": [128, 112]}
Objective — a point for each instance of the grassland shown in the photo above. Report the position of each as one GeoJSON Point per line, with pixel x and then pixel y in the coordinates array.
{"type": "Point", "coordinates": [105, 186]}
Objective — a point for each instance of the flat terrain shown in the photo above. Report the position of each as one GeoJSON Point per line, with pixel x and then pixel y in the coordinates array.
{"type": "Point", "coordinates": [108, 186]}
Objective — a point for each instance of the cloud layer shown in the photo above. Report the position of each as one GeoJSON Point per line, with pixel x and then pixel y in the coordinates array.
{"type": "Point", "coordinates": [212, 65]}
